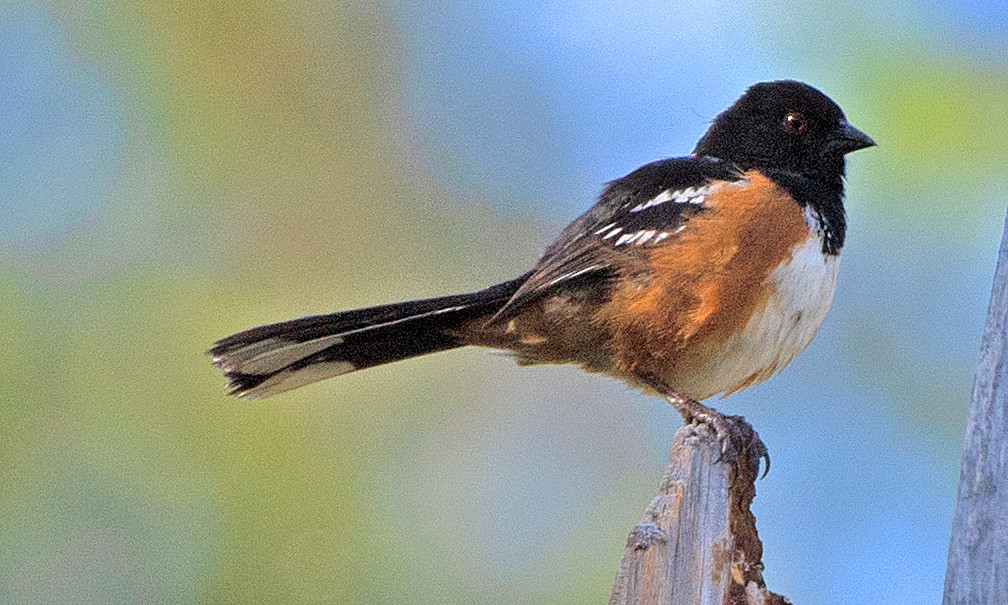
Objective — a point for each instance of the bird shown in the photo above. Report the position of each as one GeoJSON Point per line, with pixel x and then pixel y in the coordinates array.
{"type": "Point", "coordinates": [688, 278]}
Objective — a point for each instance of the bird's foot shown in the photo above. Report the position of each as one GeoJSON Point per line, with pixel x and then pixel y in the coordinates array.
{"type": "Point", "coordinates": [737, 436]}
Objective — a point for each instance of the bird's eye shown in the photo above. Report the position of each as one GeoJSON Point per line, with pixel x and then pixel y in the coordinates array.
{"type": "Point", "coordinates": [794, 122]}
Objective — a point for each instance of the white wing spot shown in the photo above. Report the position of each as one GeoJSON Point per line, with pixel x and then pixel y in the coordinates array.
{"type": "Point", "coordinates": [613, 232]}
{"type": "Point", "coordinates": [689, 195]}
{"type": "Point", "coordinates": [570, 275]}
{"type": "Point", "coordinates": [661, 198]}
{"type": "Point", "coordinates": [606, 228]}
{"type": "Point", "coordinates": [626, 238]}
{"type": "Point", "coordinates": [641, 237]}
{"type": "Point", "coordinates": [645, 236]}
{"type": "Point", "coordinates": [683, 196]}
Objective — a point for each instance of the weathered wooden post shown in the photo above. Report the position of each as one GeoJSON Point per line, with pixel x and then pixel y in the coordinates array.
{"type": "Point", "coordinates": [977, 571]}
{"type": "Point", "coordinates": [697, 543]}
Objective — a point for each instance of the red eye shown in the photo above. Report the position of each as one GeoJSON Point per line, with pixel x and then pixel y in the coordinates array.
{"type": "Point", "coordinates": [794, 122]}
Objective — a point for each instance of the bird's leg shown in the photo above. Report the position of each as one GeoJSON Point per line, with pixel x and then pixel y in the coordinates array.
{"type": "Point", "coordinates": [737, 436]}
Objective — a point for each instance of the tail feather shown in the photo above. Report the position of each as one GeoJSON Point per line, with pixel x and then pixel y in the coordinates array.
{"type": "Point", "coordinates": [271, 359]}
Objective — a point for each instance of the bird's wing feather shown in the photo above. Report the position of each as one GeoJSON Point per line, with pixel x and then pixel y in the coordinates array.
{"type": "Point", "coordinates": [649, 207]}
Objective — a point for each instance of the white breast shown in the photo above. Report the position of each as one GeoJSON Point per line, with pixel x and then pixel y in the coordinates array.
{"type": "Point", "coordinates": [802, 290]}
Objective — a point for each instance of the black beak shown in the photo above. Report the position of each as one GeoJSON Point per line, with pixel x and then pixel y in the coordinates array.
{"type": "Point", "coordinates": [847, 139]}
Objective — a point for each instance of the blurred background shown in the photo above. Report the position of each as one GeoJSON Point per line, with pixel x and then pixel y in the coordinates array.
{"type": "Point", "coordinates": [173, 172]}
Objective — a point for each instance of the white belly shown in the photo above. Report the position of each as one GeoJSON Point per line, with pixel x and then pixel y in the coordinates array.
{"type": "Point", "coordinates": [802, 290]}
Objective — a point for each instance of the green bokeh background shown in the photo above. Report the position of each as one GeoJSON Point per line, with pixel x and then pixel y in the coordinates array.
{"type": "Point", "coordinates": [260, 161]}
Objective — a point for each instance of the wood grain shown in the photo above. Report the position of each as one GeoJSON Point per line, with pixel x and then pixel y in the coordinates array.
{"type": "Point", "coordinates": [977, 572]}
{"type": "Point", "coordinates": [697, 542]}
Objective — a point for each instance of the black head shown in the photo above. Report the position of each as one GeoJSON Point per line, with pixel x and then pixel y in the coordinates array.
{"type": "Point", "coordinates": [785, 125]}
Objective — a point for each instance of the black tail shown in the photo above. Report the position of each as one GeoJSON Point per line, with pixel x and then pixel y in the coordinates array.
{"type": "Point", "coordinates": [272, 359]}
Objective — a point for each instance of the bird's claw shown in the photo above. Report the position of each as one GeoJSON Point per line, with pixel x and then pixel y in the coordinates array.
{"type": "Point", "coordinates": [735, 434]}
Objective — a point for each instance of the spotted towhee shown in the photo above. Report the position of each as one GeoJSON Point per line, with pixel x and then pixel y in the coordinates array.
{"type": "Point", "coordinates": [690, 277]}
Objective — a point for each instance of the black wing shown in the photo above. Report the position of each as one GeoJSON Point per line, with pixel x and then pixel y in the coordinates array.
{"type": "Point", "coordinates": [645, 208]}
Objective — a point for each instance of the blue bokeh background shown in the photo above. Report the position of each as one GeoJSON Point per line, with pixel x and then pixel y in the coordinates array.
{"type": "Point", "coordinates": [174, 172]}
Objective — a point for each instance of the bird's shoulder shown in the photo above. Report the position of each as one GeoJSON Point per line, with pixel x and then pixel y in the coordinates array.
{"type": "Point", "coordinates": [646, 208]}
